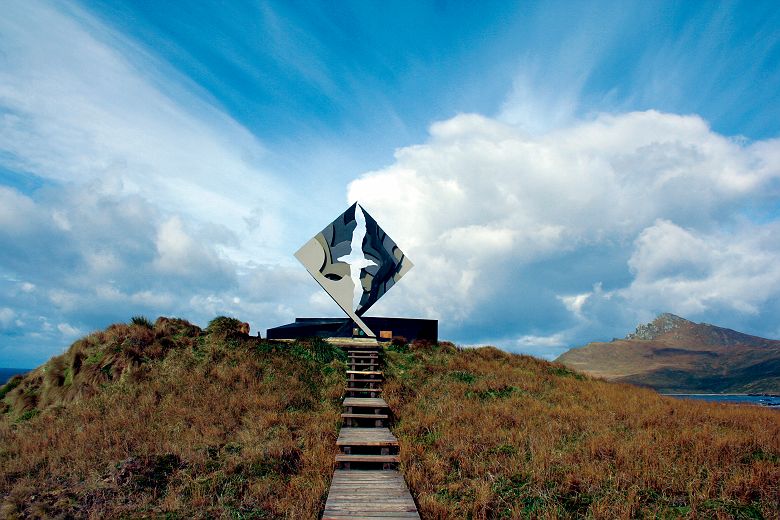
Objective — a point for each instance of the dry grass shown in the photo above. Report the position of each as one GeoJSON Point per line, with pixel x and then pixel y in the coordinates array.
{"type": "Point", "coordinates": [166, 421]}
{"type": "Point", "coordinates": [485, 434]}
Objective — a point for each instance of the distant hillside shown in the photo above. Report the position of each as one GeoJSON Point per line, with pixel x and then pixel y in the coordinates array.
{"type": "Point", "coordinates": [672, 354]}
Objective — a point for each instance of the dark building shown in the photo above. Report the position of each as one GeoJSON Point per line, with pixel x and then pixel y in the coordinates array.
{"type": "Point", "coordinates": [386, 328]}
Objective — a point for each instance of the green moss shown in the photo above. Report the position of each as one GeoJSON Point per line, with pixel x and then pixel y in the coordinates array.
{"type": "Point", "coordinates": [222, 325]}
{"type": "Point", "coordinates": [561, 371]}
{"type": "Point", "coordinates": [430, 438]}
{"type": "Point", "coordinates": [493, 393]}
{"type": "Point", "coordinates": [401, 348]}
{"type": "Point", "coordinates": [760, 454]}
{"type": "Point", "coordinates": [29, 414]}
{"type": "Point", "coordinates": [504, 449]}
{"type": "Point", "coordinates": [68, 377]}
{"type": "Point", "coordinates": [142, 321]}
{"type": "Point", "coordinates": [322, 351]}
{"type": "Point", "coordinates": [463, 376]}
{"type": "Point", "coordinates": [750, 511]}
{"type": "Point", "coordinates": [94, 358]}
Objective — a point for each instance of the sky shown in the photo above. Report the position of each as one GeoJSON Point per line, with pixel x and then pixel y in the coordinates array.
{"type": "Point", "coordinates": [558, 172]}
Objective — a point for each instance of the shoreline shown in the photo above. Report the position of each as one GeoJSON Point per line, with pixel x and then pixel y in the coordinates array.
{"type": "Point", "coordinates": [762, 400]}
{"type": "Point", "coordinates": [725, 395]}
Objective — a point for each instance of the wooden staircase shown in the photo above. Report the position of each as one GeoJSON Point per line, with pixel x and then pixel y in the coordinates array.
{"type": "Point", "coordinates": [366, 482]}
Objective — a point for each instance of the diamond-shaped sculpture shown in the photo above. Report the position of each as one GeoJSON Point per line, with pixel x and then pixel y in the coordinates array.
{"type": "Point", "coordinates": [355, 261]}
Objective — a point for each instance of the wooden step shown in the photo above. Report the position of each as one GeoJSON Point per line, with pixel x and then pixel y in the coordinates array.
{"type": "Point", "coordinates": [366, 437]}
{"type": "Point", "coordinates": [364, 402]}
{"type": "Point", "coordinates": [369, 494]}
{"type": "Point", "coordinates": [364, 380]}
{"type": "Point", "coordinates": [351, 389]}
{"type": "Point", "coordinates": [364, 416]}
{"type": "Point", "coordinates": [341, 457]}
{"type": "Point", "coordinates": [365, 372]}
{"type": "Point", "coordinates": [366, 384]}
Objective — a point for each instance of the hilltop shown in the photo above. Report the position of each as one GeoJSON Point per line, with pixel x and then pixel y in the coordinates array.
{"type": "Point", "coordinates": [672, 354]}
{"type": "Point", "coordinates": [163, 419]}
{"type": "Point", "coordinates": [146, 419]}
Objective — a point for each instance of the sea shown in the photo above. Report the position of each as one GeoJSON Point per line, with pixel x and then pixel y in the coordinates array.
{"type": "Point", "coordinates": [760, 400]}
{"type": "Point", "coordinates": [8, 373]}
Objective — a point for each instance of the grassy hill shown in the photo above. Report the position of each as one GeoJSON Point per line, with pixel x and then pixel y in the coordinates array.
{"type": "Point", "coordinates": [672, 354]}
{"type": "Point", "coordinates": [164, 419]}
{"type": "Point", "coordinates": [486, 434]}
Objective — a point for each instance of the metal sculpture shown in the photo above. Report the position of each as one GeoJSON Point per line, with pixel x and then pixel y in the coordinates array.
{"type": "Point", "coordinates": [355, 261]}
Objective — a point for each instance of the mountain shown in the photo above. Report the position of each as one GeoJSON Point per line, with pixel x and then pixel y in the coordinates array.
{"type": "Point", "coordinates": [672, 354]}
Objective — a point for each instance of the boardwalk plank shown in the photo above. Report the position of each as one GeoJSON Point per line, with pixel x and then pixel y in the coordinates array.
{"type": "Point", "coordinates": [367, 458]}
{"type": "Point", "coordinates": [365, 402]}
{"type": "Point", "coordinates": [370, 495]}
{"type": "Point", "coordinates": [366, 437]}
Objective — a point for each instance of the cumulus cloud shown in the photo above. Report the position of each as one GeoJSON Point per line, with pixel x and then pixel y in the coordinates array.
{"type": "Point", "coordinates": [696, 272]}
{"type": "Point", "coordinates": [652, 209]}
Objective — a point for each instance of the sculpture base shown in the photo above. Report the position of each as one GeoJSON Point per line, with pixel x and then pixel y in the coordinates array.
{"type": "Point", "coordinates": [385, 328]}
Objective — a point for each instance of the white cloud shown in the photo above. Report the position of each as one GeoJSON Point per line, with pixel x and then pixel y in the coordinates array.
{"type": "Point", "coordinates": [82, 103]}
{"type": "Point", "coordinates": [68, 330]}
{"type": "Point", "coordinates": [548, 347]}
{"type": "Point", "coordinates": [505, 228]}
{"type": "Point", "coordinates": [6, 316]}
{"type": "Point", "coordinates": [692, 272]}
{"type": "Point", "coordinates": [62, 299]}
{"type": "Point", "coordinates": [574, 303]}
{"type": "Point", "coordinates": [178, 253]}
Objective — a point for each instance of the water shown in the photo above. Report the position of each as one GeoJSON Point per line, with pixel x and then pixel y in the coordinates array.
{"type": "Point", "coordinates": [8, 373]}
{"type": "Point", "coordinates": [761, 400]}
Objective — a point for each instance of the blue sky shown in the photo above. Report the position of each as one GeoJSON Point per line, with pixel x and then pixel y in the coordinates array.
{"type": "Point", "coordinates": [557, 171]}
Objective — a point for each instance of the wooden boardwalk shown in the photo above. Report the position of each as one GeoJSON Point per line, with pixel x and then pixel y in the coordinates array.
{"type": "Point", "coordinates": [367, 483]}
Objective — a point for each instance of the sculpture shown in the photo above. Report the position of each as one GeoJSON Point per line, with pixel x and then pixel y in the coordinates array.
{"type": "Point", "coordinates": [355, 261]}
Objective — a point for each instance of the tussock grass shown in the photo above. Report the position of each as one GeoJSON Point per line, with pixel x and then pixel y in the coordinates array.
{"type": "Point", "coordinates": [486, 434]}
{"type": "Point", "coordinates": [169, 421]}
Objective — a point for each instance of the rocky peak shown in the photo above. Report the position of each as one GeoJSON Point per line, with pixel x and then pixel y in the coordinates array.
{"type": "Point", "coordinates": [664, 323]}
